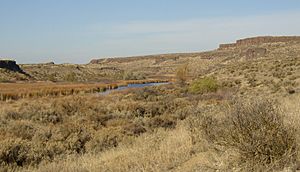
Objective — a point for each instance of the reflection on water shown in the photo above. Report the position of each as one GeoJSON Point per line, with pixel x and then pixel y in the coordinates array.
{"type": "Point", "coordinates": [133, 86]}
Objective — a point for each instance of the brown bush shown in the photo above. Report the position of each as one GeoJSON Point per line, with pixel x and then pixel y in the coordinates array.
{"type": "Point", "coordinates": [16, 152]}
{"type": "Point", "coordinates": [163, 122]}
{"type": "Point", "coordinates": [104, 140]}
{"type": "Point", "coordinates": [134, 129]}
{"type": "Point", "coordinates": [145, 94]}
{"type": "Point", "coordinates": [73, 136]}
{"type": "Point", "coordinates": [23, 129]}
{"type": "Point", "coordinates": [257, 131]}
{"type": "Point", "coordinates": [70, 106]}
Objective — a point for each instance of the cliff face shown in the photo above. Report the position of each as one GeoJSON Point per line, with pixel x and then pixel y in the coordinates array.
{"type": "Point", "coordinates": [259, 40]}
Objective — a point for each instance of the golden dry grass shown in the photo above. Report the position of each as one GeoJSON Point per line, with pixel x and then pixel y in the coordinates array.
{"type": "Point", "coordinates": [44, 129]}
{"type": "Point", "coordinates": [142, 130]}
{"type": "Point", "coordinates": [187, 148]}
{"type": "Point", "coordinates": [159, 151]}
{"type": "Point", "coordinates": [14, 91]}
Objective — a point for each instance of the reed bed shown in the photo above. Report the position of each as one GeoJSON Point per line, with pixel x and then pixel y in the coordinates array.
{"type": "Point", "coordinates": [15, 91]}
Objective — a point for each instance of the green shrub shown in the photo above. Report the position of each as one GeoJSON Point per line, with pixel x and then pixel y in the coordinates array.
{"type": "Point", "coordinates": [204, 85]}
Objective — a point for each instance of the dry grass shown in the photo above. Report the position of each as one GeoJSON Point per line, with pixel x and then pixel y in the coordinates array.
{"type": "Point", "coordinates": [158, 151]}
{"type": "Point", "coordinates": [231, 141]}
{"type": "Point", "coordinates": [44, 129]}
{"type": "Point", "coordinates": [122, 133]}
{"type": "Point", "coordinates": [14, 91]}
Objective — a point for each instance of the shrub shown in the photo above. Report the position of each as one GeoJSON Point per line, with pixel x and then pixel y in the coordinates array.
{"type": "Point", "coordinates": [163, 122]}
{"type": "Point", "coordinates": [145, 94]}
{"type": "Point", "coordinates": [105, 139]}
{"type": "Point", "coordinates": [182, 74]}
{"type": "Point", "coordinates": [14, 151]}
{"type": "Point", "coordinates": [52, 77]}
{"type": "Point", "coordinates": [134, 129]}
{"type": "Point", "coordinates": [133, 76]}
{"type": "Point", "coordinates": [71, 77]}
{"type": "Point", "coordinates": [70, 106]}
{"type": "Point", "coordinates": [23, 129]}
{"type": "Point", "coordinates": [257, 131]}
{"type": "Point", "coordinates": [204, 85]}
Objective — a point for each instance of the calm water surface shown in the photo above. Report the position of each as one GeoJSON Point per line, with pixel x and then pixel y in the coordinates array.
{"type": "Point", "coordinates": [133, 86]}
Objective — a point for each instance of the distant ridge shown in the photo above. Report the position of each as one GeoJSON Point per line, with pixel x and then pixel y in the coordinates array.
{"type": "Point", "coordinates": [159, 57]}
{"type": "Point", "coordinates": [259, 40]}
{"type": "Point", "coordinates": [174, 56]}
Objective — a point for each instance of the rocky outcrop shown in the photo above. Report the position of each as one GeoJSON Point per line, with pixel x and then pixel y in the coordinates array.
{"type": "Point", "coordinates": [11, 65]}
{"type": "Point", "coordinates": [259, 40]}
{"type": "Point", "coordinates": [49, 63]}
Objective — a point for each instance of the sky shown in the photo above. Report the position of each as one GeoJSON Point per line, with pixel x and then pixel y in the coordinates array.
{"type": "Point", "coordinates": [76, 31]}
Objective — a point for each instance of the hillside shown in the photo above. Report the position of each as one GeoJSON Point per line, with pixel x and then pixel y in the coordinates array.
{"type": "Point", "coordinates": [259, 64]}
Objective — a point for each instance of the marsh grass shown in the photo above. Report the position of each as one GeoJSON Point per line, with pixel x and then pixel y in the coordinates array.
{"type": "Point", "coordinates": [15, 91]}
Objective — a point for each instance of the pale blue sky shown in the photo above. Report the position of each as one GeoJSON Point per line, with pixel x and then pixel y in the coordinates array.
{"type": "Point", "coordinates": [76, 31]}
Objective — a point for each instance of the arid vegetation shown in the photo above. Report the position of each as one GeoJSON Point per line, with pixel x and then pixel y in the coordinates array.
{"type": "Point", "coordinates": [148, 129]}
{"type": "Point", "coordinates": [44, 130]}
{"type": "Point", "coordinates": [224, 110]}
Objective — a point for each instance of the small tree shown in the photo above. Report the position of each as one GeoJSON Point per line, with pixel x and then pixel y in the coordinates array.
{"type": "Point", "coordinates": [182, 74]}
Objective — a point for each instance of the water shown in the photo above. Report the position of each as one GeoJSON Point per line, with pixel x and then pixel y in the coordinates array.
{"type": "Point", "coordinates": [133, 86]}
